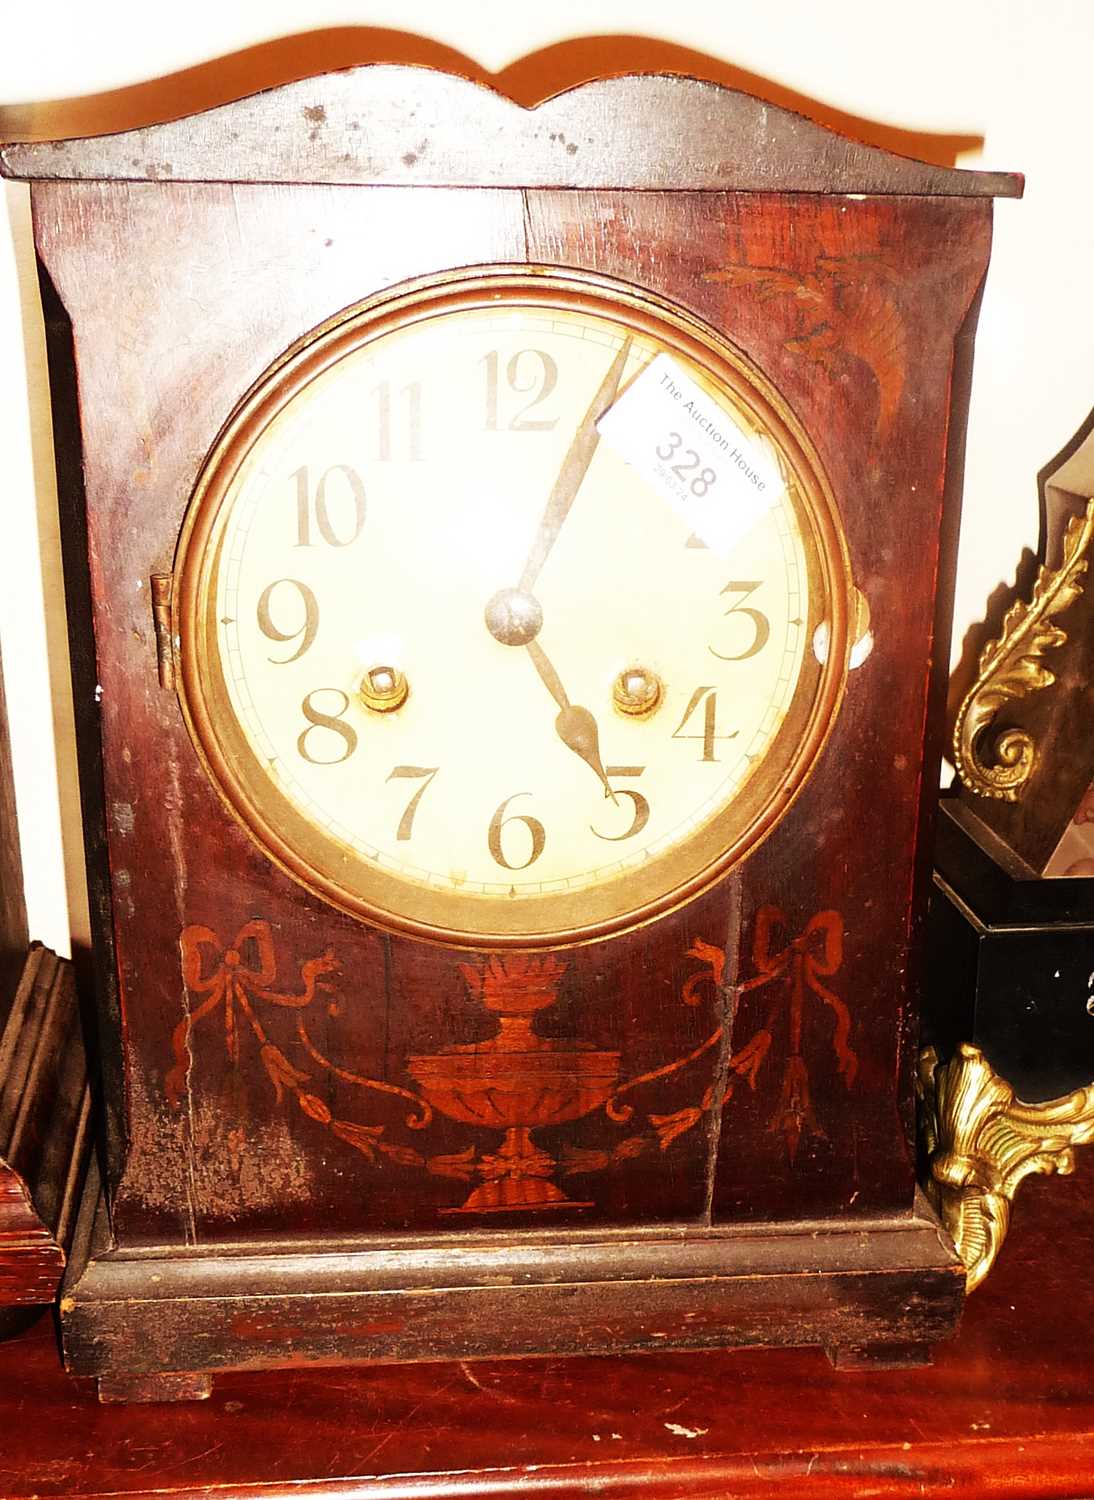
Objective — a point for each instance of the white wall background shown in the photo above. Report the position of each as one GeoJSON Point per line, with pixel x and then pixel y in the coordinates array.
{"type": "Point", "coordinates": [1016, 72]}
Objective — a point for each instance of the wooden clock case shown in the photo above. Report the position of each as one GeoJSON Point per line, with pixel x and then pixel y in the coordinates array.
{"type": "Point", "coordinates": [742, 1172]}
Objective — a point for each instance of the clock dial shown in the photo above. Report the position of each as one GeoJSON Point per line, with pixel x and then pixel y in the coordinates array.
{"type": "Point", "coordinates": [460, 660]}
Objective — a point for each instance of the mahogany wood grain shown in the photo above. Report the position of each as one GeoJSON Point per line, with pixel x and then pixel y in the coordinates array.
{"type": "Point", "coordinates": [763, 1027]}
{"type": "Point", "coordinates": [844, 1284]}
{"type": "Point", "coordinates": [1006, 1410]}
{"type": "Point", "coordinates": [318, 251]}
{"type": "Point", "coordinates": [812, 286]}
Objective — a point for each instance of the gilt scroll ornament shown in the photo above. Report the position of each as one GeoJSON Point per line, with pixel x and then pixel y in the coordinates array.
{"type": "Point", "coordinates": [983, 1142]}
{"type": "Point", "coordinates": [1012, 667]}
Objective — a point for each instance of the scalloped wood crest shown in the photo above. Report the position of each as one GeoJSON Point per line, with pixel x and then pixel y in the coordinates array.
{"type": "Point", "coordinates": [407, 126]}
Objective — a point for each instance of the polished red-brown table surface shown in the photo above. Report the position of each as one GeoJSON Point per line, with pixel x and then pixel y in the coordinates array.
{"type": "Point", "coordinates": [1006, 1410]}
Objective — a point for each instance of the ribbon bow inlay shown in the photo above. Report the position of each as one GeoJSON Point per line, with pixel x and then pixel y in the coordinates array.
{"type": "Point", "coordinates": [234, 977]}
{"type": "Point", "coordinates": [806, 960]}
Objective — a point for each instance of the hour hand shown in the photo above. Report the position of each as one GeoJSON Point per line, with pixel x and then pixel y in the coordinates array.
{"type": "Point", "coordinates": [575, 726]}
{"type": "Point", "coordinates": [514, 618]}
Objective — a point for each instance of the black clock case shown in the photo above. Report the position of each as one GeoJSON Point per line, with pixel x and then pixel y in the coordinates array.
{"type": "Point", "coordinates": [1010, 961]}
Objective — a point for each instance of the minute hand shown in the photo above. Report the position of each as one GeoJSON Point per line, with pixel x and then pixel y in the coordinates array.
{"type": "Point", "coordinates": [574, 468]}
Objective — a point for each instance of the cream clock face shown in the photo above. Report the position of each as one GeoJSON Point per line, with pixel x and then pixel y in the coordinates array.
{"type": "Point", "coordinates": [467, 643]}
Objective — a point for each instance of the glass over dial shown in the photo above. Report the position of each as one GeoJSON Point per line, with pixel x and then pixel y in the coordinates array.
{"type": "Point", "coordinates": [497, 605]}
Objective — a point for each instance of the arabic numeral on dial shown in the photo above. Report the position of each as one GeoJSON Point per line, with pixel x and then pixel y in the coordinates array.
{"type": "Point", "coordinates": [708, 697]}
{"type": "Point", "coordinates": [759, 624]}
{"type": "Point", "coordinates": [340, 490]}
{"type": "Point", "coordinates": [410, 397]}
{"type": "Point", "coordinates": [639, 804]}
{"type": "Point", "coordinates": [322, 724]}
{"type": "Point", "coordinates": [307, 629]}
{"type": "Point", "coordinates": [500, 820]}
{"type": "Point", "coordinates": [530, 372]}
{"type": "Point", "coordinates": [425, 775]}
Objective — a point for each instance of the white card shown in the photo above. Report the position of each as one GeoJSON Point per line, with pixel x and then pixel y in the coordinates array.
{"type": "Point", "coordinates": [718, 478]}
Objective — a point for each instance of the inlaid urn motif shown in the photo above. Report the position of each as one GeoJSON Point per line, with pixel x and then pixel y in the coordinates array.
{"type": "Point", "coordinates": [516, 1082]}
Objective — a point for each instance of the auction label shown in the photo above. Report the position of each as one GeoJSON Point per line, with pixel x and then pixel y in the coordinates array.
{"type": "Point", "coordinates": [719, 479]}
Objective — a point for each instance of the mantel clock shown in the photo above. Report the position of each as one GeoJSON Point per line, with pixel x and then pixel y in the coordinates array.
{"type": "Point", "coordinates": [506, 550]}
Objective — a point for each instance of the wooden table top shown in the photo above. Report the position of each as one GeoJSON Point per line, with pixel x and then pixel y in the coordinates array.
{"type": "Point", "coordinates": [1006, 1410]}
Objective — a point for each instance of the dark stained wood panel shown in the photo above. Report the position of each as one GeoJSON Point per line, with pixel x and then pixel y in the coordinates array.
{"type": "Point", "coordinates": [393, 125]}
{"type": "Point", "coordinates": [831, 300]}
{"type": "Point", "coordinates": [882, 1289]}
{"type": "Point", "coordinates": [162, 332]}
{"type": "Point", "coordinates": [831, 969]}
{"type": "Point", "coordinates": [231, 1151]}
{"type": "Point", "coordinates": [193, 1162]}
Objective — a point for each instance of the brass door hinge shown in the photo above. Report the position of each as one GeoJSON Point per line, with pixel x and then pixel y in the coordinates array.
{"type": "Point", "coordinates": [161, 621]}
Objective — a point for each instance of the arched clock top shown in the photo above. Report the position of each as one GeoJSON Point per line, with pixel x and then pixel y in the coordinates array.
{"type": "Point", "coordinates": [391, 125]}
